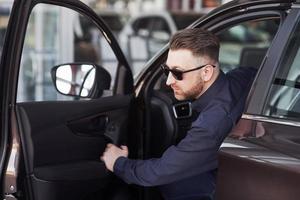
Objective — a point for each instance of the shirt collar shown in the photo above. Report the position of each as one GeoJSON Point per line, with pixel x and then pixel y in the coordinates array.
{"type": "Point", "coordinates": [206, 97]}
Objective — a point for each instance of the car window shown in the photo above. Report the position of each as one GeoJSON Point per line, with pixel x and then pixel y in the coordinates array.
{"type": "Point", "coordinates": [246, 44]}
{"type": "Point", "coordinates": [160, 34]}
{"type": "Point", "coordinates": [284, 96]}
{"type": "Point", "coordinates": [151, 33]}
{"type": "Point", "coordinates": [54, 36]}
{"type": "Point", "coordinates": [5, 9]}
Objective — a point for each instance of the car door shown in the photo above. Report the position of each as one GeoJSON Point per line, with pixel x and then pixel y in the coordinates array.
{"type": "Point", "coordinates": [265, 163]}
{"type": "Point", "coordinates": [54, 141]}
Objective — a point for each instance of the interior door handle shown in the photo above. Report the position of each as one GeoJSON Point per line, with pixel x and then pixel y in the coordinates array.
{"type": "Point", "coordinates": [91, 126]}
{"type": "Point", "coordinates": [110, 133]}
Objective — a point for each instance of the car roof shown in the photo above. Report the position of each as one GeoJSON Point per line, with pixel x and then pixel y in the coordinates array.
{"type": "Point", "coordinates": [241, 4]}
{"type": "Point", "coordinates": [235, 3]}
{"type": "Point", "coordinates": [270, 1]}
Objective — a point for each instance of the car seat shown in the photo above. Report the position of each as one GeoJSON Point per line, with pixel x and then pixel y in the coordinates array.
{"type": "Point", "coordinates": [252, 57]}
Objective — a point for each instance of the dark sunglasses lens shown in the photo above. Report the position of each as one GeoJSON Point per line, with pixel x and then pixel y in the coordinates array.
{"type": "Point", "coordinates": [177, 75]}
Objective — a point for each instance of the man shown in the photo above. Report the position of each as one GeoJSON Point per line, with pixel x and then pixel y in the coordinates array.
{"type": "Point", "coordinates": [187, 171]}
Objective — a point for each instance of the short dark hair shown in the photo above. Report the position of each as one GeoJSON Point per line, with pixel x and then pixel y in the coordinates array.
{"type": "Point", "coordinates": [199, 41]}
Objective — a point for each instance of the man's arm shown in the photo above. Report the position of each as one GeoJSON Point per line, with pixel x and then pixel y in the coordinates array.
{"type": "Point", "coordinates": [195, 154]}
{"type": "Point", "coordinates": [198, 151]}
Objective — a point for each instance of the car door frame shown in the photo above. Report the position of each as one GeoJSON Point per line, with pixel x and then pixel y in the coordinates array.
{"type": "Point", "coordinates": [9, 68]}
{"type": "Point", "coordinates": [255, 154]}
{"type": "Point", "coordinates": [218, 15]}
{"type": "Point", "coordinates": [255, 106]}
{"type": "Point", "coordinates": [214, 22]}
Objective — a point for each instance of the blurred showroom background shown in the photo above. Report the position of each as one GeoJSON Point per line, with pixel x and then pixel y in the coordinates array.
{"type": "Point", "coordinates": [58, 35]}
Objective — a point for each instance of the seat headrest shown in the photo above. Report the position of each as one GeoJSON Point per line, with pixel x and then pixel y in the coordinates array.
{"type": "Point", "coordinates": [252, 57]}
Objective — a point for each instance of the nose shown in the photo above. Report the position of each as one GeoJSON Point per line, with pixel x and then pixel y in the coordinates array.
{"type": "Point", "coordinates": [170, 80]}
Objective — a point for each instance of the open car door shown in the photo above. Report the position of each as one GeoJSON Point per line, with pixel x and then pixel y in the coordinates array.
{"type": "Point", "coordinates": [55, 137]}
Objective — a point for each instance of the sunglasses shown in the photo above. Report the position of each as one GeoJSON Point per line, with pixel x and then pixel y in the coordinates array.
{"type": "Point", "coordinates": [178, 74]}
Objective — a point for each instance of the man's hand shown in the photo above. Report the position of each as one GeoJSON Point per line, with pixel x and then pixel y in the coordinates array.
{"type": "Point", "coordinates": [111, 154]}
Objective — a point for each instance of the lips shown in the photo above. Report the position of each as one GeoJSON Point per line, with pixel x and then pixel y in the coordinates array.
{"type": "Point", "coordinates": [176, 90]}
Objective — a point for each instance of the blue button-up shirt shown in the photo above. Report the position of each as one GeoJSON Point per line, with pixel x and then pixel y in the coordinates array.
{"type": "Point", "coordinates": [181, 169]}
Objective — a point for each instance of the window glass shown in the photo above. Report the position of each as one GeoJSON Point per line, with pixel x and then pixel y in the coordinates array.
{"type": "Point", "coordinates": [284, 96]}
{"type": "Point", "coordinates": [55, 36]}
{"type": "Point", "coordinates": [5, 9]}
{"type": "Point", "coordinates": [149, 35]}
{"type": "Point", "coordinates": [246, 43]}
{"type": "Point", "coordinates": [160, 34]}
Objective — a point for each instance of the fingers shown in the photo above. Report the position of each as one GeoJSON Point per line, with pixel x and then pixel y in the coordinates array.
{"type": "Point", "coordinates": [109, 145]}
{"type": "Point", "coordinates": [103, 157]}
{"type": "Point", "coordinates": [113, 149]}
{"type": "Point", "coordinates": [112, 145]}
{"type": "Point", "coordinates": [112, 153]}
{"type": "Point", "coordinates": [123, 147]}
{"type": "Point", "coordinates": [125, 150]}
{"type": "Point", "coordinates": [104, 154]}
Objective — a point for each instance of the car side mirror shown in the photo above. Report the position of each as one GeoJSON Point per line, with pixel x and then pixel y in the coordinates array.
{"type": "Point", "coordinates": [82, 80]}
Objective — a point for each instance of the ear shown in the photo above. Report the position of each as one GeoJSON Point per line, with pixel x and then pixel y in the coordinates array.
{"type": "Point", "coordinates": [208, 72]}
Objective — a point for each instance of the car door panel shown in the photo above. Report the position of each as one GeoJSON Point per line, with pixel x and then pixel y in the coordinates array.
{"type": "Point", "coordinates": [264, 163]}
{"type": "Point", "coordinates": [61, 141]}
{"type": "Point", "coordinates": [46, 131]}
{"type": "Point", "coordinates": [257, 172]}
{"type": "Point", "coordinates": [89, 126]}
{"type": "Point", "coordinates": [47, 126]}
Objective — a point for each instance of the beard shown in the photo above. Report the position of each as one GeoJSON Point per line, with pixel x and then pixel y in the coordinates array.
{"type": "Point", "coordinates": [193, 93]}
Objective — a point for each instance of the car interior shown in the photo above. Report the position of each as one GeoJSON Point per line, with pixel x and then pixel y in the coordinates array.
{"type": "Point", "coordinates": [169, 119]}
{"type": "Point", "coordinates": [163, 105]}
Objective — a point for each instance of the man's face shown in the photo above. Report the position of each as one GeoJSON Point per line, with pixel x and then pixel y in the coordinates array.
{"type": "Point", "coordinates": [191, 85]}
